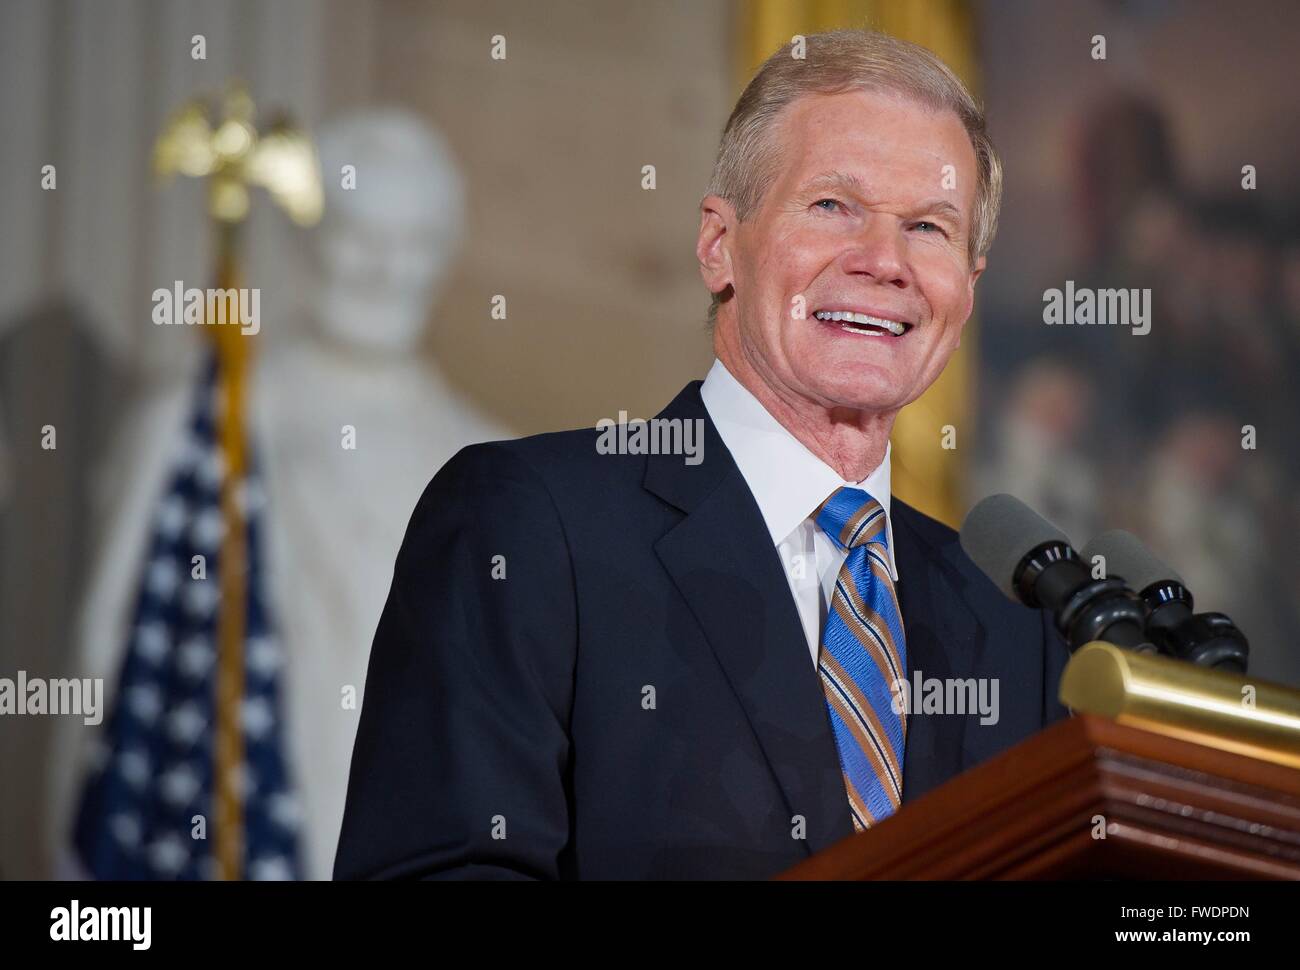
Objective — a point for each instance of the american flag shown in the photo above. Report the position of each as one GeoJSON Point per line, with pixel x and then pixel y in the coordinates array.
{"type": "Point", "coordinates": [152, 769]}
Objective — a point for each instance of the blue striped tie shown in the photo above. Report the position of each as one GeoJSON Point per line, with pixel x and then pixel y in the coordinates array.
{"type": "Point", "coordinates": [863, 658]}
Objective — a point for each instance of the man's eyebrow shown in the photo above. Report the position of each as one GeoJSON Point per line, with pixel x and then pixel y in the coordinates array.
{"type": "Point", "coordinates": [941, 207]}
{"type": "Point", "coordinates": [832, 181]}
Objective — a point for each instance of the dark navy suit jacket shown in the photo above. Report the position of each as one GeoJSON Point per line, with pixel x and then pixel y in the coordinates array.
{"type": "Point", "coordinates": [634, 697]}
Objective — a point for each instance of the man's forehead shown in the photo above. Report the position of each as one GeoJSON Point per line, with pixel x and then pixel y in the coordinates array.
{"type": "Point", "coordinates": [909, 141]}
{"type": "Point", "coordinates": [814, 105]}
{"type": "Point", "coordinates": [877, 122]}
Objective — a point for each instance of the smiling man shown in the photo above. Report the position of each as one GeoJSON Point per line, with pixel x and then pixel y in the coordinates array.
{"type": "Point", "coordinates": [627, 665]}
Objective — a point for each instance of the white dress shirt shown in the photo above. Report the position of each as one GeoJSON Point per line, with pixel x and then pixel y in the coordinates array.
{"type": "Point", "coordinates": [789, 482]}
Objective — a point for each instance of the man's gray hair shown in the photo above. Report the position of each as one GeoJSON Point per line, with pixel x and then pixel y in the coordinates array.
{"type": "Point", "coordinates": [838, 61]}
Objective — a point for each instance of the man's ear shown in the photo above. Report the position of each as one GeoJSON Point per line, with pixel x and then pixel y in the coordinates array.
{"type": "Point", "coordinates": [713, 247]}
{"type": "Point", "coordinates": [976, 271]}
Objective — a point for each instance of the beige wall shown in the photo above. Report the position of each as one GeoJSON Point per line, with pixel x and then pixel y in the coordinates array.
{"type": "Point", "coordinates": [606, 308]}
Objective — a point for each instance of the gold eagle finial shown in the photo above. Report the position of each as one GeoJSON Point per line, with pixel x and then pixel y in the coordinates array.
{"type": "Point", "coordinates": [234, 156]}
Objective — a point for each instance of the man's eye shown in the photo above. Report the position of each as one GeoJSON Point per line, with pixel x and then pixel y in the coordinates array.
{"type": "Point", "coordinates": [930, 227]}
{"type": "Point", "coordinates": [828, 204]}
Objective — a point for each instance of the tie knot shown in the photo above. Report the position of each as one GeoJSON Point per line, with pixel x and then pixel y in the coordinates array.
{"type": "Point", "coordinates": [852, 518]}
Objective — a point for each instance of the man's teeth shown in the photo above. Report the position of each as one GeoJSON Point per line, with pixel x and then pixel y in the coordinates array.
{"type": "Point", "coordinates": [848, 317]}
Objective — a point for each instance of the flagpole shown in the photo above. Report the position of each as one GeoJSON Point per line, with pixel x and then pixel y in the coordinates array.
{"type": "Point", "coordinates": [234, 352]}
{"type": "Point", "coordinates": [233, 156]}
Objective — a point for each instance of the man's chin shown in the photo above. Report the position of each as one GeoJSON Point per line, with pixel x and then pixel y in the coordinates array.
{"type": "Point", "coordinates": [877, 393]}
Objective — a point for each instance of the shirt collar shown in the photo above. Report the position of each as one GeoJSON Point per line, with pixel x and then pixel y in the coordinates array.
{"type": "Point", "coordinates": [788, 481]}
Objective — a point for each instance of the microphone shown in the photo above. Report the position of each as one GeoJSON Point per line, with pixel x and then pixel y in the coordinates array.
{"type": "Point", "coordinates": [1032, 561]}
{"type": "Point", "coordinates": [1205, 639]}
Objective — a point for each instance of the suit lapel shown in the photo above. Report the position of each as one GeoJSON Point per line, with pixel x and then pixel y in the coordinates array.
{"type": "Point", "coordinates": [722, 560]}
{"type": "Point", "coordinates": [942, 633]}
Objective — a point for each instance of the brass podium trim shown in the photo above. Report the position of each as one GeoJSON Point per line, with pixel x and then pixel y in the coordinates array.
{"type": "Point", "coordinates": [1242, 714]}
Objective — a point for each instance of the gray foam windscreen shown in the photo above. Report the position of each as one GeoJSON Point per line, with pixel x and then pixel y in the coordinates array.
{"type": "Point", "coordinates": [1127, 556]}
{"type": "Point", "coordinates": [997, 534]}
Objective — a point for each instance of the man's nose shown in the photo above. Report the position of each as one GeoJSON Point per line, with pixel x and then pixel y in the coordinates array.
{"type": "Point", "coordinates": [878, 251]}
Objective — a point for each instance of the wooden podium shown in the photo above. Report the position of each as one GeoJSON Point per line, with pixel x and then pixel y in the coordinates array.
{"type": "Point", "coordinates": [1169, 808]}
